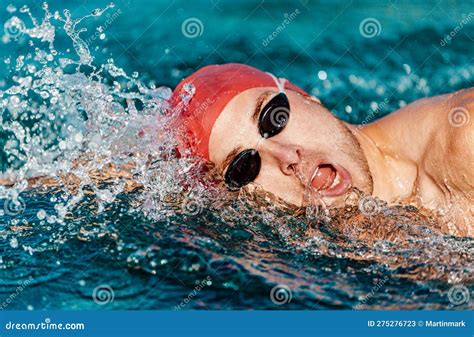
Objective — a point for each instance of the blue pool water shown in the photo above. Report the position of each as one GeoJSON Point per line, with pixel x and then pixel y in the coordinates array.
{"type": "Point", "coordinates": [171, 246]}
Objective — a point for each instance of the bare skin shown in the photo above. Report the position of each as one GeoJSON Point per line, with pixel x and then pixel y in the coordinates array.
{"type": "Point", "coordinates": [421, 154]}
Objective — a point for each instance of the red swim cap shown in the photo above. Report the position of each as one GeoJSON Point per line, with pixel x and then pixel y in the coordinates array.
{"type": "Point", "coordinates": [213, 87]}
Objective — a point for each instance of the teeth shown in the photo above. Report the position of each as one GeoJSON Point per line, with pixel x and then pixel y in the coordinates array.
{"type": "Point", "coordinates": [336, 180]}
{"type": "Point", "coordinates": [314, 174]}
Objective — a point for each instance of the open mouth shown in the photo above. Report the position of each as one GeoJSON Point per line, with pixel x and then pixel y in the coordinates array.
{"type": "Point", "coordinates": [331, 180]}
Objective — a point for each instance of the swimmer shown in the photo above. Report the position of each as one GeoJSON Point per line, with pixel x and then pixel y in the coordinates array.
{"type": "Point", "coordinates": [262, 131]}
{"type": "Point", "coordinates": [259, 130]}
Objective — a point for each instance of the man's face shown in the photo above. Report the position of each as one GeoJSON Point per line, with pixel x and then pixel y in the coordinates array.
{"type": "Point", "coordinates": [314, 152]}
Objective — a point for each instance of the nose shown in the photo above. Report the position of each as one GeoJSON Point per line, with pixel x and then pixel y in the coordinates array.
{"type": "Point", "coordinates": [287, 156]}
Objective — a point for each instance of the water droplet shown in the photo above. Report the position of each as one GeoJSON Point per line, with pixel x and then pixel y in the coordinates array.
{"type": "Point", "coordinates": [407, 68]}
{"type": "Point", "coordinates": [78, 138]}
{"type": "Point", "coordinates": [41, 214]}
{"type": "Point", "coordinates": [14, 242]}
{"type": "Point", "coordinates": [11, 8]}
{"type": "Point", "coordinates": [322, 75]}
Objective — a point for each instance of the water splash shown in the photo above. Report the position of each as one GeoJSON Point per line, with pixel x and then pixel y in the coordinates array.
{"type": "Point", "coordinates": [61, 121]}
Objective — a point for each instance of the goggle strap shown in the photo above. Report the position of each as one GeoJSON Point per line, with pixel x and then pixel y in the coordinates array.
{"type": "Point", "coordinates": [280, 82]}
{"type": "Point", "coordinates": [258, 143]}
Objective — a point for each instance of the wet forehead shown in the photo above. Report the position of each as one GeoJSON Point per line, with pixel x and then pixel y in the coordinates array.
{"type": "Point", "coordinates": [234, 126]}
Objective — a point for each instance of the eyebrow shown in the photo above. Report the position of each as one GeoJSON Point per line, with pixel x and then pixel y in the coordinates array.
{"type": "Point", "coordinates": [258, 106]}
{"type": "Point", "coordinates": [230, 157]}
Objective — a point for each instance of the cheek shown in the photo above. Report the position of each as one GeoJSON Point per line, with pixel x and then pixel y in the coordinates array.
{"type": "Point", "coordinates": [312, 128]}
{"type": "Point", "coordinates": [304, 128]}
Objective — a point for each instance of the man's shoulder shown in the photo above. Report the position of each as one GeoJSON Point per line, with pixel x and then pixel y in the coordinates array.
{"type": "Point", "coordinates": [448, 122]}
{"type": "Point", "coordinates": [460, 133]}
{"type": "Point", "coordinates": [464, 97]}
{"type": "Point", "coordinates": [460, 117]}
